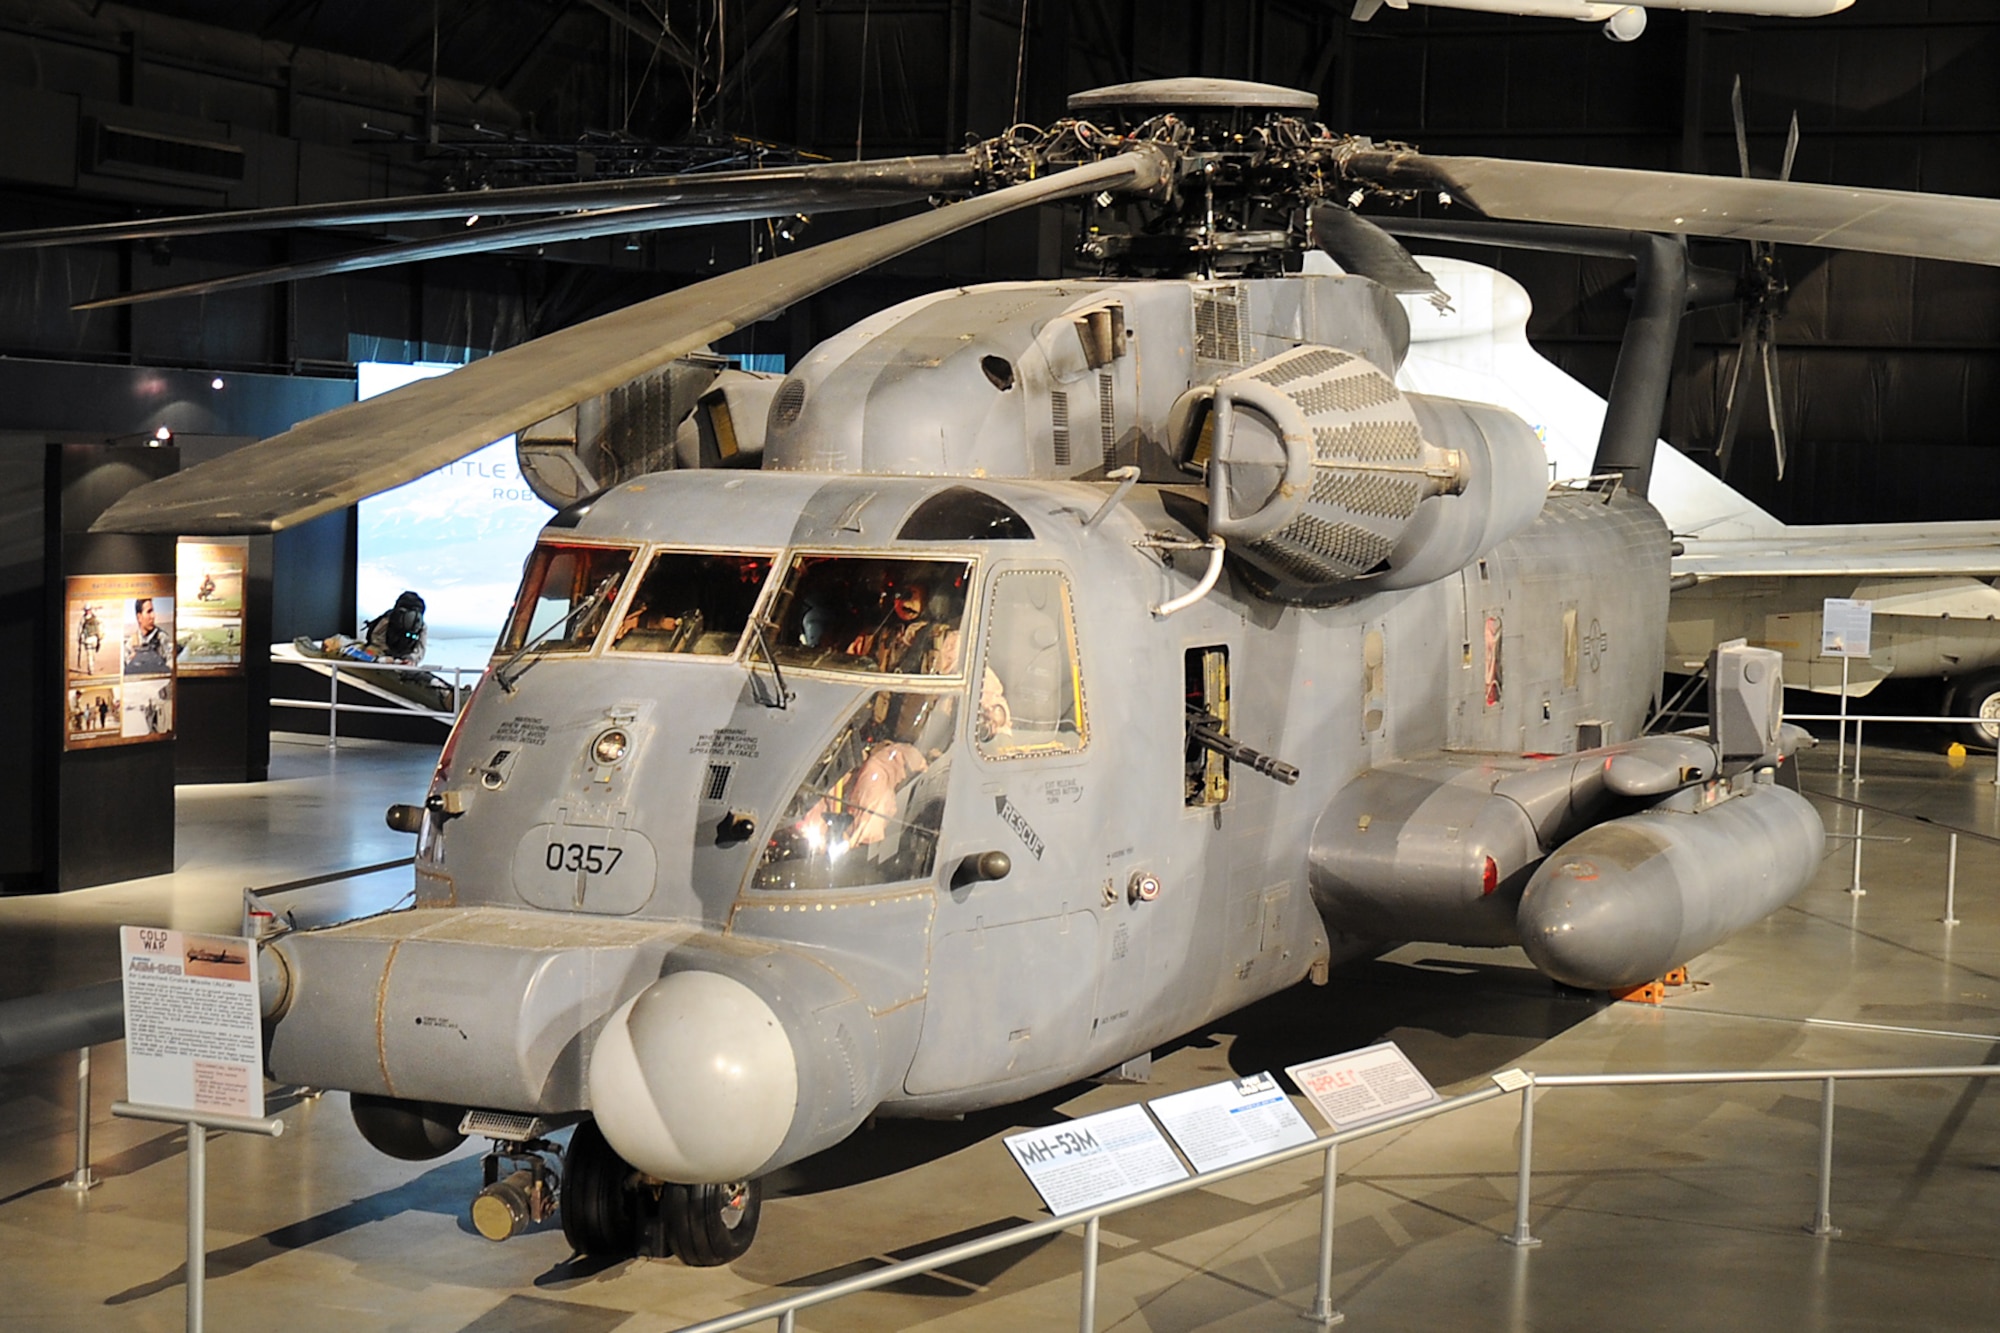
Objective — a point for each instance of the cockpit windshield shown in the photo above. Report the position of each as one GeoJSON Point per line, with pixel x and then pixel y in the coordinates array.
{"type": "Point", "coordinates": [872, 613]}
{"type": "Point", "coordinates": [692, 602]}
{"type": "Point", "coordinates": [560, 578]}
{"type": "Point", "coordinates": [870, 809]}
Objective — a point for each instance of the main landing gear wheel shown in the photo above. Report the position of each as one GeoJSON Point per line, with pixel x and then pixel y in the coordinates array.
{"type": "Point", "coordinates": [711, 1224]}
{"type": "Point", "coordinates": [599, 1216]}
{"type": "Point", "coordinates": [1978, 700]}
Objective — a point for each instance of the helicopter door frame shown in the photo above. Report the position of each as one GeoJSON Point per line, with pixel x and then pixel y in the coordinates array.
{"type": "Point", "coordinates": [1021, 710]}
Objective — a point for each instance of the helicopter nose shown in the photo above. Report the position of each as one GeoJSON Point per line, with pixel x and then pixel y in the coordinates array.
{"type": "Point", "coordinates": [694, 1079]}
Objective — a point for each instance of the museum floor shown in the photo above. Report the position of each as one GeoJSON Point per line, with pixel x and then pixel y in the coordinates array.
{"type": "Point", "coordinates": [1657, 1206]}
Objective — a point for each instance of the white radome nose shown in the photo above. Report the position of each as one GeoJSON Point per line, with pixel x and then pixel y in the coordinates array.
{"type": "Point", "coordinates": [694, 1080]}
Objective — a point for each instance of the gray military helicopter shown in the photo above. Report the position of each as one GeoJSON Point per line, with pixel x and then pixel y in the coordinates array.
{"type": "Point", "coordinates": [1038, 672]}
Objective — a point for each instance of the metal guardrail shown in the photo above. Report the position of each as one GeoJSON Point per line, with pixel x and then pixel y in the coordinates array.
{"type": "Point", "coordinates": [1860, 721]}
{"type": "Point", "coordinates": [333, 707]}
{"type": "Point", "coordinates": [1322, 1310]}
{"type": "Point", "coordinates": [33, 1026]}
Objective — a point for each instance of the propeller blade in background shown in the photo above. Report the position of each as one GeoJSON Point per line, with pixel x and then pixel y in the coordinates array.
{"type": "Point", "coordinates": [1733, 400]}
{"type": "Point", "coordinates": [356, 451]}
{"type": "Point", "coordinates": [1742, 134]}
{"type": "Point", "coordinates": [1896, 222]}
{"type": "Point", "coordinates": [1766, 354]}
{"type": "Point", "coordinates": [1361, 247]}
{"type": "Point", "coordinates": [817, 187]}
{"type": "Point", "coordinates": [1791, 149]}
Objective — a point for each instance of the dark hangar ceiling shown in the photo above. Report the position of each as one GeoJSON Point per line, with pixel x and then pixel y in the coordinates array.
{"type": "Point", "coordinates": [1890, 368]}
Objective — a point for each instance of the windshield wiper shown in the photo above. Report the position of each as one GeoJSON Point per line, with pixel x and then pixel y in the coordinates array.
{"type": "Point", "coordinates": [784, 696]}
{"type": "Point", "coordinates": [507, 683]}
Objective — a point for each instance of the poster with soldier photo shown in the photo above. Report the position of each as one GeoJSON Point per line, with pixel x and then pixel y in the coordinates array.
{"type": "Point", "coordinates": [210, 601]}
{"type": "Point", "coordinates": [118, 660]}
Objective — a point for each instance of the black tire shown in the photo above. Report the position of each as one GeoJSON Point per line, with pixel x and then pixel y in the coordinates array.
{"type": "Point", "coordinates": [712, 1224]}
{"type": "Point", "coordinates": [1978, 697]}
{"type": "Point", "coordinates": [598, 1213]}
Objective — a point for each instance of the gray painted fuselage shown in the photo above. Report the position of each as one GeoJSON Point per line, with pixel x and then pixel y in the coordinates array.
{"type": "Point", "coordinates": [948, 992]}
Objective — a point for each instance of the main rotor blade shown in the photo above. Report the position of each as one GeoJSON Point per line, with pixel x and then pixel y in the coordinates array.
{"type": "Point", "coordinates": [1733, 400]}
{"type": "Point", "coordinates": [1893, 222]}
{"type": "Point", "coordinates": [342, 456]}
{"type": "Point", "coordinates": [818, 187]}
{"type": "Point", "coordinates": [1772, 399]}
{"type": "Point", "coordinates": [1361, 247]}
{"type": "Point", "coordinates": [569, 227]}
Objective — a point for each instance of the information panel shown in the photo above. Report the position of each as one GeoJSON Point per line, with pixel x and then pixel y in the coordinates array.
{"type": "Point", "coordinates": [1846, 625]}
{"type": "Point", "coordinates": [1363, 1086]}
{"type": "Point", "coordinates": [193, 1030]}
{"type": "Point", "coordinates": [1232, 1121]}
{"type": "Point", "coordinates": [118, 660]}
{"type": "Point", "coordinates": [210, 588]}
{"type": "Point", "coordinates": [1082, 1163]}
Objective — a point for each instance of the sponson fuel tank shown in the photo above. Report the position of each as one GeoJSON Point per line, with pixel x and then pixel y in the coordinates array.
{"type": "Point", "coordinates": [1630, 899]}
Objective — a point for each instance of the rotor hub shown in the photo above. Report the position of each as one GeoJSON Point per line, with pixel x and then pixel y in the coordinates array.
{"type": "Point", "coordinates": [1245, 165]}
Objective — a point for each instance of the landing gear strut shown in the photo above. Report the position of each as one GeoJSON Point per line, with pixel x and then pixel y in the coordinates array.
{"type": "Point", "coordinates": [611, 1211]}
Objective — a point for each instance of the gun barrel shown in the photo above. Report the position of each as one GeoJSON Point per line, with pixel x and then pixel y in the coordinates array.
{"type": "Point", "coordinates": [1206, 729]}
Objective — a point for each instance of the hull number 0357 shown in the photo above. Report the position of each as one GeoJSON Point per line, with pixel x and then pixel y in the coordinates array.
{"type": "Point", "coordinates": [590, 857]}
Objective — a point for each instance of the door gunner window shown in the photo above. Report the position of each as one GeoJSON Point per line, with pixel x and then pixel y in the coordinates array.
{"type": "Point", "coordinates": [870, 808]}
{"type": "Point", "coordinates": [871, 613]}
{"type": "Point", "coordinates": [1030, 691]}
{"type": "Point", "coordinates": [559, 579]}
{"type": "Point", "coordinates": [692, 602]}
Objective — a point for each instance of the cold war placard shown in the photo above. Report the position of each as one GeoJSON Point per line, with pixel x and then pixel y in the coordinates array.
{"type": "Point", "coordinates": [193, 1030]}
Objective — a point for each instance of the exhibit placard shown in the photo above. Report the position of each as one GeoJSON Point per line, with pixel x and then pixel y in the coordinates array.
{"type": "Point", "coordinates": [118, 660]}
{"type": "Point", "coordinates": [1363, 1086]}
{"type": "Point", "coordinates": [209, 587]}
{"type": "Point", "coordinates": [1846, 624]}
{"type": "Point", "coordinates": [194, 1038]}
{"type": "Point", "coordinates": [1082, 1163]}
{"type": "Point", "coordinates": [1231, 1121]}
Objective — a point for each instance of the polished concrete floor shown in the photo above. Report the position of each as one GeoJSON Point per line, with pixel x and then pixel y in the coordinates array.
{"type": "Point", "coordinates": [1658, 1206]}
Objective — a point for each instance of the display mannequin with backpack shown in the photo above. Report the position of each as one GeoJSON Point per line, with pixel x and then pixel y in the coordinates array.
{"type": "Point", "coordinates": [397, 636]}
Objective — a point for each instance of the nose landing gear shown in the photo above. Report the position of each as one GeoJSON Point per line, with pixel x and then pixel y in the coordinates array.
{"type": "Point", "coordinates": [611, 1211]}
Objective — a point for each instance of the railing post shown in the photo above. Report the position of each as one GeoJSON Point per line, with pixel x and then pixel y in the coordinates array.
{"type": "Point", "coordinates": [81, 1179]}
{"type": "Point", "coordinates": [197, 1221]}
{"type": "Point", "coordinates": [1322, 1311]}
{"type": "Point", "coordinates": [1859, 724]}
{"type": "Point", "coordinates": [333, 707]}
{"type": "Point", "coordinates": [1086, 1307]}
{"type": "Point", "coordinates": [1522, 1237]}
{"type": "Point", "coordinates": [785, 1321]}
{"type": "Point", "coordinates": [1854, 886]}
{"type": "Point", "coordinates": [1951, 885]}
{"type": "Point", "coordinates": [1822, 1223]}
{"type": "Point", "coordinates": [1840, 760]}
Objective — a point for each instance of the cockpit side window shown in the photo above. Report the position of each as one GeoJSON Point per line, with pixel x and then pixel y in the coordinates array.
{"type": "Point", "coordinates": [870, 808]}
{"type": "Point", "coordinates": [560, 577]}
{"type": "Point", "coordinates": [1030, 690]}
{"type": "Point", "coordinates": [872, 613]}
{"type": "Point", "coordinates": [692, 602]}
